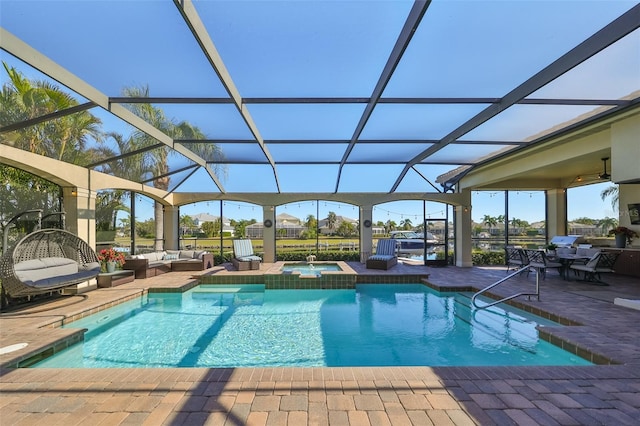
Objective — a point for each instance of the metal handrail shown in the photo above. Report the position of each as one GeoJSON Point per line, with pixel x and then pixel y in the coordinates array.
{"type": "Point", "coordinates": [518, 272]}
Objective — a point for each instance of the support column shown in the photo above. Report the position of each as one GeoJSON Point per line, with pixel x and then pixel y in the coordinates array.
{"type": "Point", "coordinates": [366, 232]}
{"type": "Point", "coordinates": [79, 205]}
{"type": "Point", "coordinates": [171, 227]}
{"type": "Point", "coordinates": [269, 234]}
{"type": "Point", "coordinates": [556, 212]}
{"type": "Point", "coordinates": [463, 232]}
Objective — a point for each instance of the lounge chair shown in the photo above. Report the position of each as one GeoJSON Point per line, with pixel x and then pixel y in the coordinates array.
{"type": "Point", "coordinates": [602, 262]}
{"type": "Point", "coordinates": [385, 256]}
{"type": "Point", "coordinates": [539, 260]}
{"type": "Point", "coordinates": [244, 258]}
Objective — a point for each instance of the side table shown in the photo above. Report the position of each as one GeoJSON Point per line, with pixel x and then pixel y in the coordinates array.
{"type": "Point", "coordinates": [116, 278]}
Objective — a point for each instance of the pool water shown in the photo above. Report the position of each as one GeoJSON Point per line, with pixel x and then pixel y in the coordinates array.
{"type": "Point", "coordinates": [374, 325]}
{"type": "Point", "coordinates": [314, 269]}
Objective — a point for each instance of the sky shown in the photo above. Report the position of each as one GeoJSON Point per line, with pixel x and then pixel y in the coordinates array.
{"type": "Point", "coordinates": [294, 48]}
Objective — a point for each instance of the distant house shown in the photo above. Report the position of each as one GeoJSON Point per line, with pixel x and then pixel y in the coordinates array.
{"type": "Point", "coordinates": [323, 225]}
{"type": "Point", "coordinates": [200, 218]}
{"type": "Point", "coordinates": [584, 229]}
{"type": "Point", "coordinates": [377, 230]}
{"type": "Point", "coordinates": [287, 226]}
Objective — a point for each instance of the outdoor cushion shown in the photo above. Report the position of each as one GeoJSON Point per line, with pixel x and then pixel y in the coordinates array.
{"type": "Point", "coordinates": [154, 256]}
{"type": "Point", "coordinates": [249, 258]}
{"type": "Point", "coordinates": [381, 257]}
{"type": "Point", "coordinates": [50, 271]}
{"type": "Point", "coordinates": [187, 254]}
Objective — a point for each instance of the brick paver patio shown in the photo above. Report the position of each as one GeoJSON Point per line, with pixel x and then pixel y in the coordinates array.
{"type": "Point", "coordinates": [599, 394]}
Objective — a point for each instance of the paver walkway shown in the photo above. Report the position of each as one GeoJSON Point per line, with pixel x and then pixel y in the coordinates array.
{"type": "Point", "coordinates": [591, 395]}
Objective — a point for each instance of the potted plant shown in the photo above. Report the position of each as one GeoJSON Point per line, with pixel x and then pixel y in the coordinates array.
{"type": "Point", "coordinates": [110, 259]}
{"type": "Point", "coordinates": [551, 249]}
{"type": "Point", "coordinates": [623, 235]}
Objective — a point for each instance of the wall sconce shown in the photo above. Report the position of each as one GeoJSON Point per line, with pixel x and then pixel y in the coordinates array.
{"type": "Point", "coordinates": [466, 209]}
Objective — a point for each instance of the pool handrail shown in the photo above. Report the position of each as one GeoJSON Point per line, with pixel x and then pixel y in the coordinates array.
{"type": "Point", "coordinates": [518, 272]}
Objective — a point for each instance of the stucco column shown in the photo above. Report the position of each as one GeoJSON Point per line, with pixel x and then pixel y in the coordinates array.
{"type": "Point", "coordinates": [556, 212]}
{"type": "Point", "coordinates": [171, 227]}
{"type": "Point", "coordinates": [463, 232]}
{"type": "Point", "coordinates": [366, 232]}
{"type": "Point", "coordinates": [79, 205]}
{"type": "Point", "coordinates": [269, 234]}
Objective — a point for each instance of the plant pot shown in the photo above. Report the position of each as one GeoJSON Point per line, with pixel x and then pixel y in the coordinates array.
{"type": "Point", "coordinates": [111, 266]}
{"type": "Point", "coordinates": [621, 241]}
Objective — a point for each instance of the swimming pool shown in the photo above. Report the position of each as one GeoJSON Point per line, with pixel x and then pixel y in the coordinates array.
{"type": "Point", "coordinates": [373, 325]}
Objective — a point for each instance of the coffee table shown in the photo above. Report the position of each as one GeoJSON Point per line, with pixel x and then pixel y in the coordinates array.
{"type": "Point", "coordinates": [116, 278]}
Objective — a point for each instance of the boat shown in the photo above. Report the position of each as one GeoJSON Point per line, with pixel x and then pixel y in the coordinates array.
{"type": "Point", "coordinates": [410, 243]}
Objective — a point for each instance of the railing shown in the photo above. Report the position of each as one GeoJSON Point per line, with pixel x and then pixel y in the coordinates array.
{"type": "Point", "coordinates": [508, 277]}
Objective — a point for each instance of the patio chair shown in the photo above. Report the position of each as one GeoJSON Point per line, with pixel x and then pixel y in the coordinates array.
{"type": "Point", "coordinates": [539, 260]}
{"type": "Point", "coordinates": [244, 258]}
{"type": "Point", "coordinates": [45, 261]}
{"type": "Point", "coordinates": [601, 263]}
{"type": "Point", "coordinates": [385, 256]}
{"type": "Point", "coordinates": [515, 258]}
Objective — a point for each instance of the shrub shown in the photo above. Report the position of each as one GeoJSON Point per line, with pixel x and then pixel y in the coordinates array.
{"type": "Point", "coordinates": [332, 256]}
{"type": "Point", "coordinates": [488, 258]}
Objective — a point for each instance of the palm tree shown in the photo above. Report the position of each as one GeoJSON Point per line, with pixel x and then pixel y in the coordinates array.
{"type": "Point", "coordinates": [607, 223]}
{"type": "Point", "coordinates": [331, 221]}
{"type": "Point", "coordinates": [490, 221]}
{"type": "Point", "coordinates": [612, 192]}
{"type": "Point", "coordinates": [64, 138]}
{"type": "Point", "coordinates": [390, 226]}
{"type": "Point", "coordinates": [518, 223]}
{"type": "Point", "coordinates": [406, 224]}
{"type": "Point", "coordinates": [158, 158]}
{"type": "Point", "coordinates": [311, 222]}
{"type": "Point", "coordinates": [186, 223]}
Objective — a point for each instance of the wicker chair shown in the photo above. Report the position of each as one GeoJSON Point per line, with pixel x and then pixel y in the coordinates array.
{"type": "Point", "coordinates": [47, 260]}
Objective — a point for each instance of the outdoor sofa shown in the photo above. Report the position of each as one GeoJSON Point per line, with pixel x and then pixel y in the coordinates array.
{"type": "Point", "coordinates": [157, 263]}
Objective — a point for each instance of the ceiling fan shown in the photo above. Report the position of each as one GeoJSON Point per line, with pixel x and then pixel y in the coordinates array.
{"type": "Point", "coordinates": [604, 175]}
